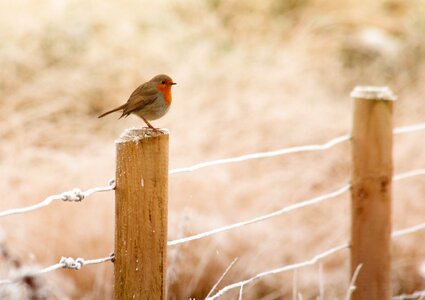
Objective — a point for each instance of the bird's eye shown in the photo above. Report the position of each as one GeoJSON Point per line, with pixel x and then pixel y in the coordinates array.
{"type": "Point", "coordinates": [163, 82]}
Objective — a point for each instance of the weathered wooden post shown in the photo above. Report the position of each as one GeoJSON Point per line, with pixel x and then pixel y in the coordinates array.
{"type": "Point", "coordinates": [141, 215]}
{"type": "Point", "coordinates": [372, 169]}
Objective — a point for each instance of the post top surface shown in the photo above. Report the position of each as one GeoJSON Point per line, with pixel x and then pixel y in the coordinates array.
{"type": "Point", "coordinates": [137, 134]}
{"type": "Point", "coordinates": [373, 93]}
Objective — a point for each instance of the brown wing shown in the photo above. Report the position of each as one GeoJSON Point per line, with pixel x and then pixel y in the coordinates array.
{"type": "Point", "coordinates": [142, 96]}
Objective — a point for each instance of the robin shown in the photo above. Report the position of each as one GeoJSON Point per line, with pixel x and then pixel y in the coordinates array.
{"type": "Point", "coordinates": [150, 101]}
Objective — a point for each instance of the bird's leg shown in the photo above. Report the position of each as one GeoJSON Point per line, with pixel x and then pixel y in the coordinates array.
{"type": "Point", "coordinates": [150, 126]}
{"type": "Point", "coordinates": [147, 123]}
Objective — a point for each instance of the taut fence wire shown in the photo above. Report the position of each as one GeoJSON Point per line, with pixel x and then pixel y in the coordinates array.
{"type": "Point", "coordinates": [75, 195]}
{"type": "Point", "coordinates": [298, 149]}
{"type": "Point", "coordinates": [409, 128]}
{"type": "Point", "coordinates": [291, 150]}
{"type": "Point", "coordinates": [286, 268]}
{"type": "Point", "coordinates": [279, 212]}
{"type": "Point", "coordinates": [64, 263]}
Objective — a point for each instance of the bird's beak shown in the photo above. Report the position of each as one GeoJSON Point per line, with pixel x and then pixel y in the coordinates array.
{"type": "Point", "coordinates": [173, 83]}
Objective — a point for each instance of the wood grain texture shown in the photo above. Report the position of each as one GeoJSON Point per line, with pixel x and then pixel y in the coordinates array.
{"type": "Point", "coordinates": [372, 172]}
{"type": "Point", "coordinates": [141, 215]}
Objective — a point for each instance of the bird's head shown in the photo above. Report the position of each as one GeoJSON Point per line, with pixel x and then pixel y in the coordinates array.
{"type": "Point", "coordinates": [164, 83]}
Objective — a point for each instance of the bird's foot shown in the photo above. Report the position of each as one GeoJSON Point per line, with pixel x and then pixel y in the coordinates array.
{"type": "Point", "coordinates": [157, 130]}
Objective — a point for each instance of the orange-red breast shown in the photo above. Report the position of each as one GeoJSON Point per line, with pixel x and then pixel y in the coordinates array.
{"type": "Point", "coordinates": [150, 101]}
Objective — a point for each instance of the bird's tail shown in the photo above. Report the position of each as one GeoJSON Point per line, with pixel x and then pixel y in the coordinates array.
{"type": "Point", "coordinates": [111, 111]}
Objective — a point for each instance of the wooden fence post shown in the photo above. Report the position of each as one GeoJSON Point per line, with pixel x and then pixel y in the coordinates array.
{"type": "Point", "coordinates": [372, 170]}
{"type": "Point", "coordinates": [141, 215]}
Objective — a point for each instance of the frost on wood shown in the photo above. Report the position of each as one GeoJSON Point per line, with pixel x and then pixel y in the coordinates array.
{"type": "Point", "coordinates": [137, 134]}
{"type": "Point", "coordinates": [373, 93]}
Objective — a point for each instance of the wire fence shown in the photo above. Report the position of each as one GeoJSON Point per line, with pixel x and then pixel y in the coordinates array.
{"type": "Point", "coordinates": [77, 195]}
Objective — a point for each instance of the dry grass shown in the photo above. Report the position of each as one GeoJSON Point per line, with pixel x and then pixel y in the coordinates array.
{"type": "Point", "coordinates": [267, 74]}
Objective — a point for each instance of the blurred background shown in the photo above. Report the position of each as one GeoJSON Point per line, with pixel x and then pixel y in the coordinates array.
{"type": "Point", "coordinates": [252, 76]}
